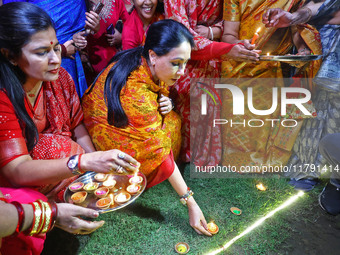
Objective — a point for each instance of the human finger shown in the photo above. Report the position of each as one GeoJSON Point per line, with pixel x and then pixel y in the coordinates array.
{"type": "Point", "coordinates": [265, 16]}
{"type": "Point", "coordinates": [165, 103]}
{"type": "Point", "coordinates": [247, 55]}
{"type": "Point", "coordinates": [92, 16]}
{"type": "Point", "coordinates": [248, 45]}
{"type": "Point", "coordinates": [201, 230]}
{"type": "Point", "coordinates": [163, 99]}
{"type": "Point", "coordinates": [84, 227]}
{"type": "Point", "coordinates": [127, 162]}
{"type": "Point", "coordinates": [204, 225]}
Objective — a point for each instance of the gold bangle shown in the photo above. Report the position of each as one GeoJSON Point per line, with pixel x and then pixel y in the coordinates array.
{"type": "Point", "coordinates": [43, 215]}
{"type": "Point", "coordinates": [48, 218]}
{"type": "Point", "coordinates": [37, 215]}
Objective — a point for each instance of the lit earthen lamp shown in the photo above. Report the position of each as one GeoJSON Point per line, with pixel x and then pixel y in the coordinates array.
{"type": "Point", "coordinates": [136, 179]}
{"type": "Point", "coordinates": [260, 186]}
{"type": "Point", "coordinates": [110, 182]}
{"type": "Point", "coordinates": [122, 198]}
{"type": "Point", "coordinates": [212, 228]}
{"type": "Point", "coordinates": [133, 188]}
{"type": "Point", "coordinates": [100, 177]}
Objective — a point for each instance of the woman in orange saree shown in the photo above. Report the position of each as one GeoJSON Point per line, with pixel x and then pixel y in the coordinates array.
{"type": "Point", "coordinates": [122, 107]}
{"type": "Point", "coordinates": [269, 144]}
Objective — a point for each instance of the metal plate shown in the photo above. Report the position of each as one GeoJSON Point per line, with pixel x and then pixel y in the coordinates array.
{"type": "Point", "coordinates": [290, 57]}
{"type": "Point", "coordinates": [122, 181]}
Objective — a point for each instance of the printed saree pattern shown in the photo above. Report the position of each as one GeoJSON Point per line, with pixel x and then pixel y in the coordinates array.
{"type": "Point", "coordinates": [56, 113]}
{"type": "Point", "coordinates": [149, 136]}
{"type": "Point", "coordinates": [203, 64]}
{"type": "Point", "coordinates": [269, 144]}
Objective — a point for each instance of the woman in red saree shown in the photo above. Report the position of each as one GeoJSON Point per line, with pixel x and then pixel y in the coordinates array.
{"type": "Point", "coordinates": [66, 218]}
{"type": "Point", "coordinates": [121, 109]}
{"type": "Point", "coordinates": [143, 14]}
{"type": "Point", "coordinates": [199, 15]}
{"type": "Point", "coordinates": [42, 139]}
{"type": "Point", "coordinates": [41, 130]}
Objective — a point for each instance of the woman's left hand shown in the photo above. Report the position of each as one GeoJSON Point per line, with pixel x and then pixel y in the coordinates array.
{"type": "Point", "coordinates": [197, 220]}
{"type": "Point", "coordinates": [115, 39]}
{"type": "Point", "coordinates": [165, 104]}
{"type": "Point", "coordinates": [68, 219]}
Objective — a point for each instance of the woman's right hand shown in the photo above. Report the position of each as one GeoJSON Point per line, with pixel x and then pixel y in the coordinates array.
{"type": "Point", "coordinates": [242, 54]}
{"type": "Point", "coordinates": [79, 40]}
{"type": "Point", "coordinates": [108, 162]}
{"type": "Point", "coordinates": [277, 18]}
{"type": "Point", "coordinates": [68, 219]}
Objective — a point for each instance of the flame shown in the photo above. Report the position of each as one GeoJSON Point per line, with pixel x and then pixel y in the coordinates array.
{"type": "Point", "coordinates": [258, 30]}
{"type": "Point", "coordinates": [260, 187]}
{"type": "Point", "coordinates": [268, 54]}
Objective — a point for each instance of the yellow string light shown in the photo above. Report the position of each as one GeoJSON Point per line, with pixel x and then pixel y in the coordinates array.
{"type": "Point", "coordinates": [258, 223]}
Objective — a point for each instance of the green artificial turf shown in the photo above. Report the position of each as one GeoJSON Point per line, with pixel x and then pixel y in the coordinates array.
{"type": "Point", "coordinates": [157, 220]}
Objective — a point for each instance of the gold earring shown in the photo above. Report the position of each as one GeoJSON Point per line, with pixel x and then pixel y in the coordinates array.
{"type": "Point", "coordinates": [13, 63]}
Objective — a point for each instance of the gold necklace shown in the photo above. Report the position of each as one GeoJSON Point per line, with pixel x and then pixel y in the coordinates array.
{"type": "Point", "coordinates": [32, 94]}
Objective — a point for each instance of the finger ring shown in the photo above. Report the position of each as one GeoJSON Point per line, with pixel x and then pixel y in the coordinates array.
{"type": "Point", "coordinates": [121, 155]}
{"type": "Point", "coordinates": [119, 169]}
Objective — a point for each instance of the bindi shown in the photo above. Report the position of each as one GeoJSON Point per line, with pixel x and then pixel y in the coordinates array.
{"type": "Point", "coordinates": [51, 42]}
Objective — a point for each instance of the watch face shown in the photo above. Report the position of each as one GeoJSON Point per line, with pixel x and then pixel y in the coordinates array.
{"type": "Point", "coordinates": [72, 163]}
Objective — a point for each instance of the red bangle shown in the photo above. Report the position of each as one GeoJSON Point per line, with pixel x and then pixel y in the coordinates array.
{"type": "Point", "coordinates": [21, 216]}
{"type": "Point", "coordinates": [54, 214]}
{"type": "Point", "coordinates": [29, 230]}
{"type": "Point", "coordinates": [63, 50]}
{"type": "Point", "coordinates": [4, 199]}
{"type": "Point", "coordinates": [79, 163]}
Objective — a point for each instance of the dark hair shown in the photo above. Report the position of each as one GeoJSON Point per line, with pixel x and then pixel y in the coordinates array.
{"type": "Point", "coordinates": [18, 22]}
{"type": "Point", "coordinates": [162, 37]}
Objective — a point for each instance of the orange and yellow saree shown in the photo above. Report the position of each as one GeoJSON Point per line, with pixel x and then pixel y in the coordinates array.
{"type": "Point", "coordinates": [268, 144]}
{"type": "Point", "coordinates": [149, 136]}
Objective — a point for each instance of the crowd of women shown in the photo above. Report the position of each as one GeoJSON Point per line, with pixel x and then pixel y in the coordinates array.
{"type": "Point", "coordinates": [109, 90]}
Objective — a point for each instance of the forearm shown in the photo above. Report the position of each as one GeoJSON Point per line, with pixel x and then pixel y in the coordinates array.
{"type": "Point", "coordinates": [177, 182]}
{"type": "Point", "coordinates": [217, 32]}
{"type": "Point", "coordinates": [23, 171]}
{"type": "Point", "coordinates": [9, 218]}
{"type": "Point", "coordinates": [82, 137]}
{"type": "Point", "coordinates": [229, 38]}
{"type": "Point", "coordinates": [230, 32]}
{"type": "Point", "coordinates": [304, 14]}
